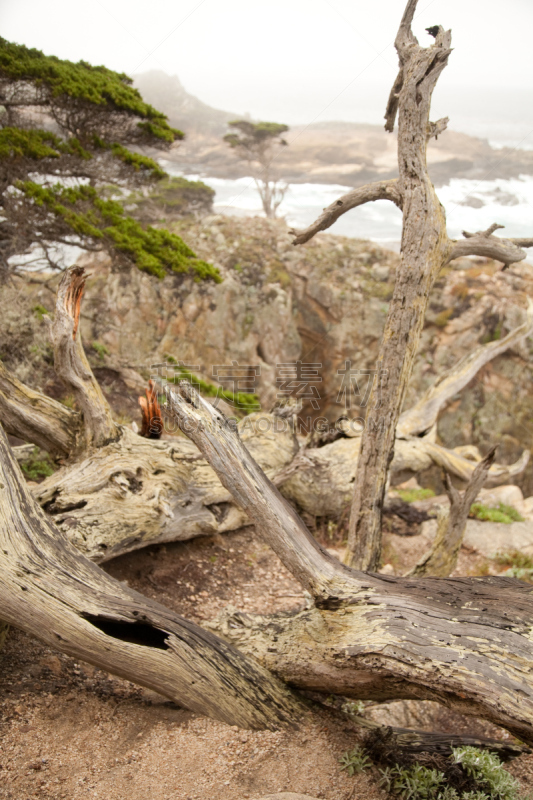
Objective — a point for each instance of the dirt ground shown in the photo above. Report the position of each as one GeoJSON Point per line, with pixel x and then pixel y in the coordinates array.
{"type": "Point", "coordinates": [69, 731]}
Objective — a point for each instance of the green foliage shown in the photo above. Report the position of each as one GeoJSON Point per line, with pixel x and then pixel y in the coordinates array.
{"type": "Point", "coordinates": [442, 319]}
{"type": "Point", "coordinates": [503, 513]}
{"type": "Point", "coordinates": [89, 215]}
{"type": "Point", "coordinates": [39, 311]}
{"type": "Point", "coordinates": [412, 495]}
{"type": "Point", "coordinates": [354, 708]}
{"type": "Point", "coordinates": [100, 349]}
{"type": "Point", "coordinates": [515, 559]}
{"type": "Point", "coordinates": [243, 401]}
{"type": "Point", "coordinates": [253, 133]}
{"type": "Point", "coordinates": [486, 768]}
{"type": "Point", "coordinates": [354, 761]}
{"type": "Point", "coordinates": [177, 195]}
{"type": "Point", "coordinates": [417, 782]}
{"type": "Point", "coordinates": [37, 144]}
{"type": "Point", "coordinates": [35, 469]}
{"type": "Point", "coordinates": [138, 162]}
{"type": "Point", "coordinates": [413, 783]}
{"type": "Point", "coordinates": [81, 81]}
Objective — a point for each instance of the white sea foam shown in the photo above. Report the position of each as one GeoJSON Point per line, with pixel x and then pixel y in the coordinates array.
{"type": "Point", "coordinates": [471, 205]}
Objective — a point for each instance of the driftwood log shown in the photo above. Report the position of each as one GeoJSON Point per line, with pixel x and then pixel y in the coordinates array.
{"type": "Point", "coordinates": [50, 590]}
{"type": "Point", "coordinates": [425, 249]}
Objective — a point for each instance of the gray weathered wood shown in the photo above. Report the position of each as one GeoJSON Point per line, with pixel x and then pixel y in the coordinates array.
{"type": "Point", "coordinates": [369, 635]}
{"type": "Point", "coordinates": [441, 559]}
{"type": "Point", "coordinates": [36, 418]}
{"type": "Point", "coordinates": [71, 363]}
{"type": "Point", "coordinates": [50, 590]}
{"type": "Point", "coordinates": [425, 249]}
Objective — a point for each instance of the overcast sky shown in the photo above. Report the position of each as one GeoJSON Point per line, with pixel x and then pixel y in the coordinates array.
{"type": "Point", "coordinates": [299, 61]}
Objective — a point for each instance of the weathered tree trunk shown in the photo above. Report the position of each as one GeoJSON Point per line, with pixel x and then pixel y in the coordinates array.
{"type": "Point", "coordinates": [425, 249]}
{"type": "Point", "coordinates": [71, 364]}
{"type": "Point", "coordinates": [50, 590]}
{"type": "Point", "coordinates": [367, 635]}
{"type": "Point", "coordinates": [36, 418]}
{"type": "Point", "coordinates": [441, 559]}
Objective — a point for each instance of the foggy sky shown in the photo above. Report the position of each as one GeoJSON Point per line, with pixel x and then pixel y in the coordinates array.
{"type": "Point", "coordinates": [299, 61]}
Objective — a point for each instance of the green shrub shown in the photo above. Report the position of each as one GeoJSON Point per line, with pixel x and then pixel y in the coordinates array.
{"type": "Point", "coordinates": [412, 495]}
{"type": "Point", "coordinates": [35, 469]}
{"type": "Point", "coordinates": [503, 513]}
{"type": "Point", "coordinates": [100, 349]}
{"type": "Point", "coordinates": [354, 761]}
{"type": "Point", "coordinates": [486, 768]}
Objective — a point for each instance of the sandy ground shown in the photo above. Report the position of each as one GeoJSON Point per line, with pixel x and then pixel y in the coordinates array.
{"type": "Point", "coordinates": [69, 731]}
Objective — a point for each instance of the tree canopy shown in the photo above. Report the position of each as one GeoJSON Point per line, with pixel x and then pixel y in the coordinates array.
{"type": "Point", "coordinates": [66, 164]}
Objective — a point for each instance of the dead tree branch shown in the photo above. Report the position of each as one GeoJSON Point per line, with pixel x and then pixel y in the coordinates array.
{"type": "Point", "coordinates": [50, 590]}
{"type": "Point", "coordinates": [441, 559]}
{"type": "Point", "coordinates": [71, 362]}
{"type": "Point", "coordinates": [483, 243]}
{"type": "Point", "coordinates": [382, 190]}
{"type": "Point", "coordinates": [36, 418]}
{"type": "Point", "coordinates": [423, 415]}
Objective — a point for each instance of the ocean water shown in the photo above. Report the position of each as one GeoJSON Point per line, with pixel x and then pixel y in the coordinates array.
{"type": "Point", "coordinates": [470, 205]}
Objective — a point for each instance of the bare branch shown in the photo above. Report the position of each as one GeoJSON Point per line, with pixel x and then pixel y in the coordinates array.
{"type": "Point", "coordinates": [393, 101]}
{"type": "Point", "coordinates": [436, 128]}
{"type": "Point", "coordinates": [276, 521]}
{"type": "Point", "coordinates": [36, 418]}
{"type": "Point", "coordinates": [382, 190]}
{"type": "Point", "coordinates": [423, 415]}
{"type": "Point", "coordinates": [71, 362]}
{"type": "Point", "coordinates": [405, 37]}
{"type": "Point", "coordinates": [483, 243]}
{"type": "Point", "coordinates": [441, 559]}
{"type": "Point", "coordinates": [463, 468]}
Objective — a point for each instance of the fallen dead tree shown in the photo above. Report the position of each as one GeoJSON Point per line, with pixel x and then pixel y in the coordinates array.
{"type": "Point", "coordinates": [465, 642]}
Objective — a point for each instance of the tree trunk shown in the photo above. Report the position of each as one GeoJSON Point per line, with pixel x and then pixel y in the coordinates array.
{"type": "Point", "coordinates": [424, 250]}
{"type": "Point", "coordinates": [373, 636]}
{"type": "Point", "coordinates": [51, 591]}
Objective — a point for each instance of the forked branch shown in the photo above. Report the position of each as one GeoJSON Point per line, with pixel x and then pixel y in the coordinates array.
{"type": "Point", "coordinates": [382, 190]}
{"type": "Point", "coordinates": [441, 559]}
{"type": "Point", "coordinates": [483, 243]}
